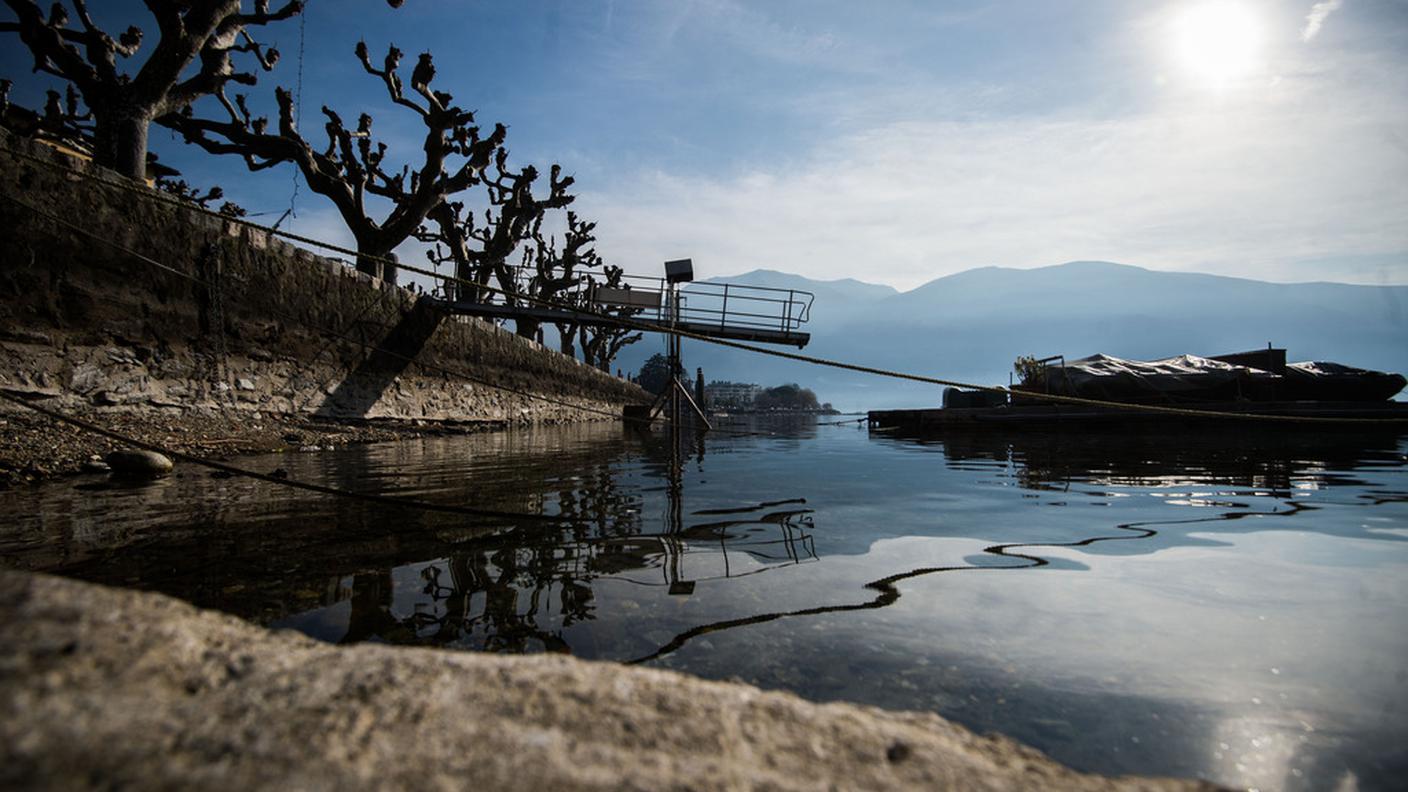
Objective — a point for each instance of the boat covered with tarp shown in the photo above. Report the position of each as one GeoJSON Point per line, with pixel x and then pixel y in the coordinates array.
{"type": "Point", "coordinates": [1257, 387]}
{"type": "Point", "coordinates": [1190, 378]}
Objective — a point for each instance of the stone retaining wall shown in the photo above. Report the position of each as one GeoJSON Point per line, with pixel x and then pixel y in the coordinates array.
{"type": "Point", "coordinates": [243, 320]}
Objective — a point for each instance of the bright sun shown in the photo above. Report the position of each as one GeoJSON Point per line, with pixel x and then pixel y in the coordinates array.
{"type": "Point", "coordinates": [1218, 41]}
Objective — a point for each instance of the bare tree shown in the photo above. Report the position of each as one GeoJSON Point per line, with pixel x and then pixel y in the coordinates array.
{"type": "Point", "coordinates": [552, 270]}
{"type": "Point", "coordinates": [123, 106]}
{"type": "Point", "coordinates": [482, 252]}
{"type": "Point", "coordinates": [352, 166]}
{"type": "Point", "coordinates": [601, 343]}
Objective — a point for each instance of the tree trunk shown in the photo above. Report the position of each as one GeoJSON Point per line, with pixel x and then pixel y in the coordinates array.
{"type": "Point", "coordinates": [369, 260]}
{"type": "Point", "coordinates": [565, 338]}
{"type": "Point", "coordinates": [120, 141]}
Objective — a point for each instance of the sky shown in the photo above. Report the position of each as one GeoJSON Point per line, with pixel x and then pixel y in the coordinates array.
{"type": "Point", "coordinates": [895, 142]}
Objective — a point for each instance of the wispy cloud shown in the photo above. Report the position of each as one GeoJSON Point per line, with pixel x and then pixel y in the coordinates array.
{"type": "Point", "coordinates": [1223, 189]}
{"type": "Point", "coordinates": [1316, 19]}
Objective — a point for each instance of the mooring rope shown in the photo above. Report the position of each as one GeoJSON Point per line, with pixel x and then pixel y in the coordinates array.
{"type": "Point", "coordinates": [134, 188]}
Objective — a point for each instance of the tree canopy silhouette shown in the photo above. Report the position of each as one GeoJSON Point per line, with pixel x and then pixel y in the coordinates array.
{"type": "Point", "coordinates": [352, 166]}
{"type": "Point", "coordinates": [122, 104]}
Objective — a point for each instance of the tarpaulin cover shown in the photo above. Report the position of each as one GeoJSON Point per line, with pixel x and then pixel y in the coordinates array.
{"type": "Point", "coordinates": [1189, 378]}
{"type": "Point", "coordinates": [1325, 381]}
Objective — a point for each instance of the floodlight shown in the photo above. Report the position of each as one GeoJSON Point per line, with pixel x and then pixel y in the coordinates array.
{"type": "Point", "coordinates": [679, 271]}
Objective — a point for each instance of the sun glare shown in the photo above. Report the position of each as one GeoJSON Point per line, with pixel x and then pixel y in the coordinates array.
{"type": "Point", "coordinates": [1217, 42]}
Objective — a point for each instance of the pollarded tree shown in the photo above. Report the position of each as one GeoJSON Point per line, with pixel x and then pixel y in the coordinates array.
{"type": "Point", "coordinates": [570, 278]}
{"type": "Point", "coordinates": [481, 252]}
{"type": "Point", "coordinates": [555, 275]}
{"type": "Point", "coordinates": [352, 166]}
{"type": "Point", "coordinates": [123, 106]}
{"type": "Point", "coordinates": [601, 343]}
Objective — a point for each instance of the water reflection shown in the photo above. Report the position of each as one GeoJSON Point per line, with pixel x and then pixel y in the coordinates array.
{"type": "Point", "coordinates": [1143, 601]}
{"type": "Point", "coordinates": [517, 594]}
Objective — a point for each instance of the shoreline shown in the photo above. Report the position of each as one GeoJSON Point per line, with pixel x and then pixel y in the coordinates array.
{"type": "Point", "coordinates": [36, 448]}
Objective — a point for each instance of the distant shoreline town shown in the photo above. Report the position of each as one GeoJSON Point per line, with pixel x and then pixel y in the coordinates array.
{"type": "Point", "coordinates": [747, 397]}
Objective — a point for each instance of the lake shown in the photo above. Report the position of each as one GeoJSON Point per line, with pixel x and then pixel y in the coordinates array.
{"type": "Point", "coordinates": [1230, 604]}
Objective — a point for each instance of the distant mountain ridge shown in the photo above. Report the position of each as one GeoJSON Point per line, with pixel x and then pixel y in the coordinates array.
{"type": "Point", "coordinates": [971, 325]}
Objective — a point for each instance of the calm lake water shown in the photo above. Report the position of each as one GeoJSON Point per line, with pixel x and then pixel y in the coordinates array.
{"type": "Point", "coordinates": [1224, 605]}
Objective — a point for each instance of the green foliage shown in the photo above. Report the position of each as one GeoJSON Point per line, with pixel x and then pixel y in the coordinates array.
{"type": "Point", "coordinates": [787, 397]}
{"type": "Point", "coordinates": [1028, 369]}
{"type": "Point", "coordinates": [655, 373]}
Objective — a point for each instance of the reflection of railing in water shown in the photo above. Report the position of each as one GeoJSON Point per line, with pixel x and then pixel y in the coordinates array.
{"type": "Point", "coordinates": [481, 595]}
{"type": "Point", "coordinates": [889, 592]}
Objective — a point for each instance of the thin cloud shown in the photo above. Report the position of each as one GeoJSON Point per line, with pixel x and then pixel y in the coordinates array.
{"type": "Point", "coordinates": [1318, 14]}
{"type": "Point", "coordinates": [1221, 190]}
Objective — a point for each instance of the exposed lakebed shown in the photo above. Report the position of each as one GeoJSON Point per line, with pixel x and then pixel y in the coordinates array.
{"type": "Point", "coordinates": [1232, 606]}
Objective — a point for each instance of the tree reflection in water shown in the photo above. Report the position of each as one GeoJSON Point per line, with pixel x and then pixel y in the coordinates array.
{"type": "Point", "coordinates": [518, 592]}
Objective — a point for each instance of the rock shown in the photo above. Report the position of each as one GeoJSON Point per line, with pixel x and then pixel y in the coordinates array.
{"type": "Point", "coordinates": [245, 384]}
{"type": "Point", "coordinates": [86, 378]}
{"type": "Point", "coordinates": [25, 336]}
{"type": "Point", "coordinates": [138, 464]}
{"type": "Point", "coordinates": [96, 466]}
{"type": "Point", "coordinates": [105, 688]}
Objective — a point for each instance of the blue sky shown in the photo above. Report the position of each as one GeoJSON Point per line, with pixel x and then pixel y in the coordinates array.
{"type": "Point", "coordinates": [897, 142]}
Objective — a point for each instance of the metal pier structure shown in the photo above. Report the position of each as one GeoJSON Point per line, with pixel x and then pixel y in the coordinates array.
{"type": "Point", "coordinates": [731, 311]}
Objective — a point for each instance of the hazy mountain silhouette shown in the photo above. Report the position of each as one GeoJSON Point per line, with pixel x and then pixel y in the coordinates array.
{"type": "Point", "coordinates": [971, 326]}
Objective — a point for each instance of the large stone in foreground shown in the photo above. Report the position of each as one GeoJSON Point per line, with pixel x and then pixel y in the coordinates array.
{"type": "Point", "coordinates": [138, 463]}
{"type": "Point", "coordinates": [110, 688]}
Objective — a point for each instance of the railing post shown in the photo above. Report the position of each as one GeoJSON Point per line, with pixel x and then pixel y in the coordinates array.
{"type": "Point", "coordinates": [723, 313]}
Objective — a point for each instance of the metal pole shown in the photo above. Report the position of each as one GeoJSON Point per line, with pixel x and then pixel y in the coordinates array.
{"type": "Point", "coordinates": [674, 358]}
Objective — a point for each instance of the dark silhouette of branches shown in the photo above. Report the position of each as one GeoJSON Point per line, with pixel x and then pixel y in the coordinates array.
{"type": "Point", "coordinates": [601, 343]}
{"type": "Point", "coordinates": [482, 252]}
{"type": "Point", "coordinates": [548, 269]}
{"type": "Point", "coordinates": [205, 34]}
{"type": "Point", "coordinates": [187, 192]}
{"type": "Point", "coordinates": [352, 165]}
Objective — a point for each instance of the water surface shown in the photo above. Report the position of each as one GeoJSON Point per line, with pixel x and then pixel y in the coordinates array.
{"type": "Point", "coordinates": [1227, 605]}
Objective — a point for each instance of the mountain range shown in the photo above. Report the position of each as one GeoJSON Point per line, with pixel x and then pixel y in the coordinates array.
{"type": "Point", "coordinates": [971, 326]}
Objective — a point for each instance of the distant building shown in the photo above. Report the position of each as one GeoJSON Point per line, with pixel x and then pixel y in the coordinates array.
{"type": "Point", "coordinates": [731, 394]}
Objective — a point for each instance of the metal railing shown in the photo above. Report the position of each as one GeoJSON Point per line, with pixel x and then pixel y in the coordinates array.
{"type": "Point", "coordinates": [728, 304]}
{"type": "Point", "coordinates": [701, 304]}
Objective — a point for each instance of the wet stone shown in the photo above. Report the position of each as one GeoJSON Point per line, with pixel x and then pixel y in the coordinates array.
{"type": "Point", "coordinates": [138, 464]}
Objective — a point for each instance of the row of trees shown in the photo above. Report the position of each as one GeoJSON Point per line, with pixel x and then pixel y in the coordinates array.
{"type": "Point", "coordinates": [477, 213]}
